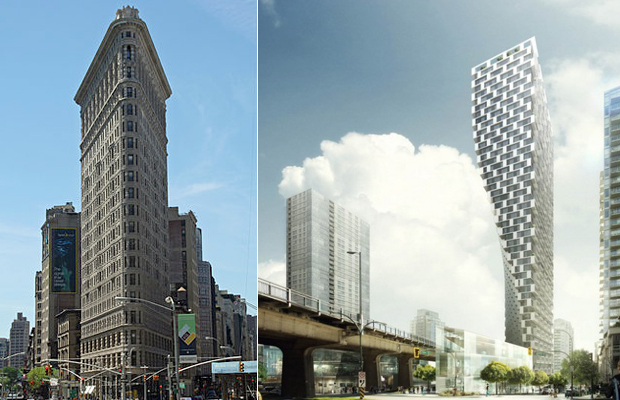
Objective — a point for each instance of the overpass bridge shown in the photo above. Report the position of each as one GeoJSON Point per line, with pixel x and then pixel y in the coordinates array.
{"type": "Point", "coordinates": [298, 324]}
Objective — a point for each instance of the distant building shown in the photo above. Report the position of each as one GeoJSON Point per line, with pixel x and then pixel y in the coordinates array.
{"type": "Point", "coordinates": [253, 335]}
{"type": "Point", "coordinates": [4, 352]}
{"type": "Point", "coordinates": [19, 339]}
{"type": "Point", "coordinates": [38, 315]}
{"type": "Point", "coordinates": [233, 334]}
{"type": "Point", "coordinates": [319, 233]}
{"type": "Point", "coordinates": [60, 276]}
{"type": "Point", "coordinates": [563, 339]}
{"type": "Point", "coordinates": [206, 310]}
{"type": "Point", "coordinates": [69, 347]}
{"type": "Point", "coordinates": [425, 324]}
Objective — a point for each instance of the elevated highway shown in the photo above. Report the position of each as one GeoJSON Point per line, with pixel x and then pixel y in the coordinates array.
{"type": "Point", "coordinates": [298, 324]}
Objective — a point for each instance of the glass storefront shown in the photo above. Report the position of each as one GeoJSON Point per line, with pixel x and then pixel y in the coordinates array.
{"type": "Point", "coordinates": [461, 355]}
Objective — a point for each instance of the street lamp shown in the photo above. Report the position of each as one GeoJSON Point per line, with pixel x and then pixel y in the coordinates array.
{"type": "Point", "coordinates": [170, 301]}
{"type": "Point", "coordinates": [361, 315]}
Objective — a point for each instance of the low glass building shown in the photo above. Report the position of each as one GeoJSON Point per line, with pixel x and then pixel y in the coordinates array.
{"type": "Point", "coordinates": [461, 355]}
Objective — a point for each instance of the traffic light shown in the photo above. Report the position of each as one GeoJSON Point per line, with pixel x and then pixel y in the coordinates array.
{"type": "Point", "coordinates": [241, 366]}
{"type": "Point", "coordinates": [416, 352]}
{"type": "Point", "coordinates": [529, 351]}
{"type": "Point", "coordinates": [155, 377]}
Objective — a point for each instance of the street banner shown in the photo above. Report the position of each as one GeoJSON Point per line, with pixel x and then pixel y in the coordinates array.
{"type": "Point", "coordinates": [63, 260]}
{"type": "Point", "coordinates": [187, 338]}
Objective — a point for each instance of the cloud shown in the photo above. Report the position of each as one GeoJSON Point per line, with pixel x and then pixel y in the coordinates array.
{"type": "Point", "coordinates": [575, 89]}
{"type": "Point", "coordinates": [198, 188]}
{"type": "Point", "coordinates": [238, 14]}
{"type": "Point", "coordinates": [601, 12]}
{"type": "Point", "coordinates": [433, 241]}
{"type": "Point", "coordinates": [273, 271]}
{"type": "Point", "coordinates": [270, 9]}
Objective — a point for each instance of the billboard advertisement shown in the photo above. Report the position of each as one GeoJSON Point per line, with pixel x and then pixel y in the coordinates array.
{"type": "Point", "coordinates": [63, 260]}
{"type": "Point", "coordinates": [187, 338]}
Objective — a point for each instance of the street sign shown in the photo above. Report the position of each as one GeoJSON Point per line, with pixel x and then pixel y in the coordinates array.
{"type": "Point", "coordinates": [182, 385]}
{"type": "Point", "coordinates": [361, 377]}
{"type": "Point", "coordinates": [53, 381]}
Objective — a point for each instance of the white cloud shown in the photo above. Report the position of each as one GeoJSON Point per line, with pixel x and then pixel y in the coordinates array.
{"type": "Point", "coordinates": [270, 9]}
{"type": "Point", "coordinates": [575, 90]}
{"type": "Point", "coordinates": [601, 12]}
{"type": "Point", "coordinates": [273, 271]}
{"type": "Point", "coordinates": [198, 188]}
{"type": "Point", "coordinates": [433, 242]}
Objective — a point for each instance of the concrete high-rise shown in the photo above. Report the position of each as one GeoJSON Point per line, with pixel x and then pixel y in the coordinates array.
{"type": "Point", "coordinates": [426, 323]}
{"type": "Point", "coordinates": [4, 352]}
{"type": "Point", "coordinates": [610, 215]}
{"type": "Point", "coordinates": [319, 233]}
{"type": "Point", "coordinates": [514, 148]}
{"type": "Point", "coordinates": [124, 200]}
{"type": "Point", "coordinates": [60, 276]}
{"type": "Point", "coordinates": [18, 340]}
{"type": "Point", "coordinates": [563, 338]}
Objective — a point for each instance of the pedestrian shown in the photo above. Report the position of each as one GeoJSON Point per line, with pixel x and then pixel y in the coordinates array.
{"type": "Point", "coordinates": [487, 390]}
{"type": "Point", "coordinates": [613, 390]}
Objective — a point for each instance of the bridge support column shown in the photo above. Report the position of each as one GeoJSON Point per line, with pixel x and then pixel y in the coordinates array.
{"type": "Point", "coordinates": [404, 370]}
{"type": "Point", "coordinates": [297, 371]}
{"type": "Point", "coordinates": [371, 366]}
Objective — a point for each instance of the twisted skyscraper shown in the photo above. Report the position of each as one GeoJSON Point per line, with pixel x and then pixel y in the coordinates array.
{"type": "Point", "coordinates": [514, 148]}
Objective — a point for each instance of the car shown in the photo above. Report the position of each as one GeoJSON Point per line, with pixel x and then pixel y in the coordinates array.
{"type": "Point", "coordinates": [211, 394]}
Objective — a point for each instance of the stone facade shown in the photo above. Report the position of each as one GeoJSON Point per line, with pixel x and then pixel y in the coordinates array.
{"type": "Point", "coordinates": [59, 221]}
{"type": "Point", "coordinates": [124, 200]}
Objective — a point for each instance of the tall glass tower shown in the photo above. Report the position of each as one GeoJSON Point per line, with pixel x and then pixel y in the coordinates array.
{"type": "Point", "coordinates": [319, 235]}
{"type": "Point", "coordinates": [514, 148]}
{"type": "Point", "coordinates": [610, 214]}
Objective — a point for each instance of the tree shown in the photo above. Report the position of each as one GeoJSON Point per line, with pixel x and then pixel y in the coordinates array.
{"type": "Point", "coordinates": [520, 376]}
{"type": "Point", "coordinates": [540, 378]}
{"type": "Point", "coordinates": [10, 375]}
{"type": "Point", "coordinates": [557, 380]}
{"type": "Point", "coordinates": [584, 369]}
{"type": "Point", "coordinates": [263, 373]}
{"type": "Point", "coordinates": [426, 373]}
{"type": "Point", "coordinates": [35, 377]}
{"type": "Point", "coordinates": [495, 372]}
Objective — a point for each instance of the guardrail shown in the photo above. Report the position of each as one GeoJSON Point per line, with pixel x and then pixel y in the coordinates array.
{"type": "Point", "coordinates": [292, 297]}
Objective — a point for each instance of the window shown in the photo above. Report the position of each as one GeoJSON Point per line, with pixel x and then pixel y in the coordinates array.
{"type": "Point", "coordinates": [130, 193]}
{"type": "Point", "coordinates": [129, 52]}
{"type": "Point", "coordinates": [131, 209]}
{"type": "Point", "coordinates": [131, 227]}
{"type": "Point", "coordinates": [131, 244]}
{"type": "Point", "coordinates": [130, 126]}
{"type": "Point", "coordinates": [129, 92]}
{"type": "Point", "coordinates": [128, 72]}
{"type": "Point", "coordinates": [132, 279]}
{"type": "Point", "coordinates": [130, 143]}
{"type": "Point", "coordinates": [130, 176]}
{"type": "Point", "coordinates": [129, 109]}
{"type": "Point", "coordinates": [129, 159]}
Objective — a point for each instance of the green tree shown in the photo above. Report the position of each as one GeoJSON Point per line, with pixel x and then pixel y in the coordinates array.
{"type": "Point", "coordinates": [263, 373]}
{"type": "Point", "coordinates": [495, 372]}
{"type": "Point", "coordinates": [10, 376]}
{"type": "Point", "coordinates": [540, 378]}
{"type": "Point", "coordinates": [427, 373]}
{"type": "Point", "coordinates": [557, 380]}
{"type": "Point", "coordinates": [34, 377]}
{"type": "Point", "coordinates": [584, 369]}
{"type": "Point", "coordinates": [520, 376]}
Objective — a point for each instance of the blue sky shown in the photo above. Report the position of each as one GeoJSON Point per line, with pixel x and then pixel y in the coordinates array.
{"type": "Point", "coordinates": [208, 51]}
{"type": "Point", "coordinates": [329, 68]}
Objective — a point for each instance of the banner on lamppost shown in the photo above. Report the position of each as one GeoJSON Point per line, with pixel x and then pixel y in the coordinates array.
{"type": "Point", "coordinates": [63, 260]}
{"type": "Point", "coordinates": [187, 338]}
